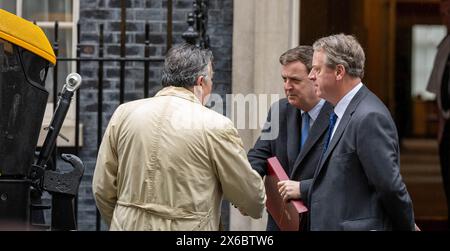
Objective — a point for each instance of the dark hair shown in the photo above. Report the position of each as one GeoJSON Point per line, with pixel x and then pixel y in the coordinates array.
{"type": "Point", "coordinates": [302, 53]}
{"type": "Point", "coordinates": [184, 63]}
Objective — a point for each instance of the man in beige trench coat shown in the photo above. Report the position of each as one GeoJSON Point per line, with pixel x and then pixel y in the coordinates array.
{"type": "Point", "coordinates": [166, 162]}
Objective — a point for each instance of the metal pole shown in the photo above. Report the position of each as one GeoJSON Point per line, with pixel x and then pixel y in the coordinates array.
{"type": "Point", "coordinates": [77, 113]}
{"type": "Point", "coordinates": [123, 23]}
{"type": "Point", "coordinates": [146, 55]}
{"type": "Point", "coordinates": [169, 39]}
{"type": "Point", "coordinates": [100, 109]}
{"type": "Point", "coordinates": [55, 89]}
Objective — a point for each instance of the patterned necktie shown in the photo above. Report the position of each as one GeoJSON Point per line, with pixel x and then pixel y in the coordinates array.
{"type": "Point", "coordinates": [333, 118]}
{"type": "Point", "coordinates": [305, 128]}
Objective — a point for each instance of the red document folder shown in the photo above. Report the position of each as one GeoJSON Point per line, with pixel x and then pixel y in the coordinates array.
{"type": "Point", "coordinates": [287, 215]}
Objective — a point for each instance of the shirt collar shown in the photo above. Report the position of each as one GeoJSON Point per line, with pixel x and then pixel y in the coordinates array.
{"type": "Point", "coordinates": [342, 105]}
{"type": "Point", "coordinates": [314, 113]}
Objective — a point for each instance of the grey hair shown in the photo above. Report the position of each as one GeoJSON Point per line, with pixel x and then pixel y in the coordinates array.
{"type": "Point", "coordinates": [184, 64]}
{"type": "Point", "coordinates": [302, 53]}
{"type": "Point", "coordinates": [343, 50]}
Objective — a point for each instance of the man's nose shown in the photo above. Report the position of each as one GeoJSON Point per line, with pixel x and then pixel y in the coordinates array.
{"type": "Point", "coordinates": [287, 84]}
{"type": "Point", "coordinates": [311, 76]}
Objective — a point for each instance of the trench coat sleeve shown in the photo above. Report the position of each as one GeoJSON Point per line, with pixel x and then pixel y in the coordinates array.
{"type": "Point", "coordinates": [241, 185]}
{"type": "Point", "coordinates": [104, 183]}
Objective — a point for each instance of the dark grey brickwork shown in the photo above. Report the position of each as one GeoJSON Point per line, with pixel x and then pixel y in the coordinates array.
{"type": "Point", "coordinates": [107, 12]}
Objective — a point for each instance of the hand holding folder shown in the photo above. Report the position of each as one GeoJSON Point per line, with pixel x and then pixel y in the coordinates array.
{"type": "Point", "coordinates": [287, 215]}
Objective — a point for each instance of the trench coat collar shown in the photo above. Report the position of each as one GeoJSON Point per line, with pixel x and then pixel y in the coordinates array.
{"type": "Point", "coordinates": [179, 92]}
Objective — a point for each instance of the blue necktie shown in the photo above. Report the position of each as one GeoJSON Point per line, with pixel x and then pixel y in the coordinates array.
{"type": "Point", "coordinates": [305, 127]}
{"type": "Point", "coordinates": [333, 118]}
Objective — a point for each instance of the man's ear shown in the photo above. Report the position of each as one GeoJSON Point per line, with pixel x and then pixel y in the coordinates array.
{"type": "Point", "coordinates": [340, 72]}
{"type": "Point", "coordinates": [200, 81]}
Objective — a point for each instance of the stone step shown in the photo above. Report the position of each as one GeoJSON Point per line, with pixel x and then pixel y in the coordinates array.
{"type": "Point", "coordinates": [419, 146]}
{"type": "Point", "coordinates": [418, 158]}
{"type": "Point", "coordinates": [422, 180]}
{"type": "Point", "coordinates": [420, 169]}
{"type": "Point", "coordinates": [428, 198]}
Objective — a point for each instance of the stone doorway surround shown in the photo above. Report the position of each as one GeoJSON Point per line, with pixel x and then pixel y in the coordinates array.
{"type": "Point", "coordinates": [262, 31]}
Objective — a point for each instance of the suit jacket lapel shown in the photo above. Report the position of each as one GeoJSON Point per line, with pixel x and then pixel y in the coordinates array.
{"type": "Point", "coordinates": [293, 123]}
{"type": "Point", "coordinates": [319, 127]}
{"type": "Point", "coordinates": [342, 125]}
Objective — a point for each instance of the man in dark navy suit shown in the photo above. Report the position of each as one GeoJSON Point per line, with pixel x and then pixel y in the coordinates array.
{"type": "Point", "coordinates": [357, 185]}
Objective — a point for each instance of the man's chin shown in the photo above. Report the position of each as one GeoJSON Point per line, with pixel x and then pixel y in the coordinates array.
{"type": "Point", "coordinates": [293, 102]}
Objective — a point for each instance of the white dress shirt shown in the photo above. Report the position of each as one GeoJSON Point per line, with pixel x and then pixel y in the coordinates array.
{"type": "Point", "coordinates": [314, 113]}
{"type": "Point", "coordinates": [342, 105]}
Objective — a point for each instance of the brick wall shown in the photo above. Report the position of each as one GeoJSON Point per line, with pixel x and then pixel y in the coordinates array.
{"type": "Point", "coordinates": [107, 12]}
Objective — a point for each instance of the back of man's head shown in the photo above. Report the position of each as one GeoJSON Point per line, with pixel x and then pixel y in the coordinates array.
{"type": "Point", "coordinates": [183, 64]}
{"type": "Point", "coordinates": [302, 53]}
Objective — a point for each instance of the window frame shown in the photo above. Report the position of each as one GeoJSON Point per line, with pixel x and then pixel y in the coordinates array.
{"type": "Point", "coordinates": [69, 124]}
{"type": "Point", "coordinates": [62, 25]}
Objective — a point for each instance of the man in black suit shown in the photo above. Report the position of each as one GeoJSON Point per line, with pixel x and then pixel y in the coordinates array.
{"type": "Point", "coordinates": [357, 185]}
{"type": "Point", "coordinates": [300, 121]}
{"type": "Point", "coordinates": [439, 84]}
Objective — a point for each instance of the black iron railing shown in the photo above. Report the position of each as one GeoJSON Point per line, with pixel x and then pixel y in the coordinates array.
{"type": "Point", "coordinates": [198, 25]}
